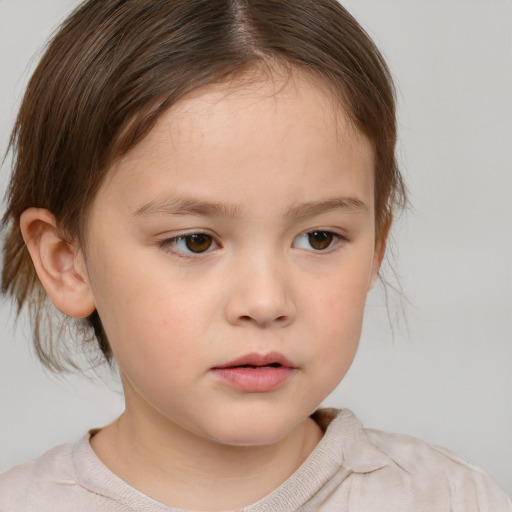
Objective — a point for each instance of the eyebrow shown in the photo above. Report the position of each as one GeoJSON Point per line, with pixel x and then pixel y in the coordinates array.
{"type": "Point", "coordinates": [313, 208]}
{"type": "Point", "coordinates": [187, 206]}
{"type": "Point", "coordinates": [190, 206]}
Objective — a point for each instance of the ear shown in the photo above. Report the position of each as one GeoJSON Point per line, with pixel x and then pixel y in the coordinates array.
{"type": "Point", "coordinates": [60, 266]}
{"type": "Point", "coordinates": [380, 250]}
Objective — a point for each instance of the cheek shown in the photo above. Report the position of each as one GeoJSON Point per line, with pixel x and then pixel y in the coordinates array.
{"type": "Point", "coordinates": [155, 346]}
{"type": "Point", "coordinates": [156, 320]}
{"type": "Point", "coordinates": [337, 338]}
{"type": "Point", "coordinates": [336, 321]}
{"type": "Point", "coordinates": [151, 320]}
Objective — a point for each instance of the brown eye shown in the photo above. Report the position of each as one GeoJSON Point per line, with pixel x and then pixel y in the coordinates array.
{"type": "Point", "coordinates": [320, 240]}
{"type": "Point", "coordinates": [198, 243]}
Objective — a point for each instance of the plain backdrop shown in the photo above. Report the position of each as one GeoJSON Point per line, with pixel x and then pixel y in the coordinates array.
{"type": "Point", "coordinates": [444, 371]}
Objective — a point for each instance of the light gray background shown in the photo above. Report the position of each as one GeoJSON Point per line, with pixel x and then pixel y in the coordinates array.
{"type": "Point", "coordinates": [447, 377]}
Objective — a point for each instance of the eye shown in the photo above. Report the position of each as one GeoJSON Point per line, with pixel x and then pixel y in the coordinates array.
{"type": "Point", "coordinates": [317, 240]}
{"type": "Point", "coordinates": [195, 243]}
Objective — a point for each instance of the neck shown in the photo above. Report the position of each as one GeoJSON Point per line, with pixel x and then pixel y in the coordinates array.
{"type": "Point", "coordinates": [181, 469]}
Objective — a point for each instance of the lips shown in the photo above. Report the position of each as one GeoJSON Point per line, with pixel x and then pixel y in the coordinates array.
{"type": "Point", "coordinates": [256, 373]}
{"type": "Point", "coordinates": [274, 359]}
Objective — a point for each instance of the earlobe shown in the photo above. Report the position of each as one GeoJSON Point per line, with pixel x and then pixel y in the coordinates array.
{"type": "Point", "coordinates": [59, 264]}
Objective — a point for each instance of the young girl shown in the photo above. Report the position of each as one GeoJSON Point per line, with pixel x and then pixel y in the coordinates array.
{"type": "Point", "coordinates": [206, 188]}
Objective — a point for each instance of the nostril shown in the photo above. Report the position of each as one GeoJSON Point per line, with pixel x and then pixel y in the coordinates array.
{"type": "Point", "coordinates": [280, 319]}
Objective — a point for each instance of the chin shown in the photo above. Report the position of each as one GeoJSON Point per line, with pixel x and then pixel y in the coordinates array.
{"type": "Point", "coordinates": [253, 429]}
{"type": "Point", "coordinates": [251, 438]}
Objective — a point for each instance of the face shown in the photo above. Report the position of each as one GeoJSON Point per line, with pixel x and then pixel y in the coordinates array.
{"type": "Point", "coordinates": [229, 257]}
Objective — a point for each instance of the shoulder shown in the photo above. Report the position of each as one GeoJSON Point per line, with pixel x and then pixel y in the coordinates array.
{"type": "Point", "coordinates": [38, 484]}
{"type": "Point", "coordinates": [416, 457]}
{"type": "Point", "coordinates": [69, 478]}
{"type": "Point", "coordinates": [399, 472]}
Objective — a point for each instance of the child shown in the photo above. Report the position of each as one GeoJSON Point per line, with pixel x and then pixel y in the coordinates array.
{"type": "Point", "coordinates": [209, 186]}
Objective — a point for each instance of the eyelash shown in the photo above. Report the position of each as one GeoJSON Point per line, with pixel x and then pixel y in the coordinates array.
{"type": "Point", "coordinates": [335, 239]}
{"type": "Point", "coordinates": [170, 244]}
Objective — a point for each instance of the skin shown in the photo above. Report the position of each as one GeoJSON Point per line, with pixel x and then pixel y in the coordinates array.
{"type": "Point", "coordinates": [266, 151]}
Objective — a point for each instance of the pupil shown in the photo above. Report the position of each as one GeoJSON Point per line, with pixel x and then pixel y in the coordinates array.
{"type": "Point", "coordinates": [198, 243]}
{"type": "Point", "coordinates": [320, 240]}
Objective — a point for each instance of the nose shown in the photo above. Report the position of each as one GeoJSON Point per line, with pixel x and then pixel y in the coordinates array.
{"type": "Point", "coordinates": [260, 295]}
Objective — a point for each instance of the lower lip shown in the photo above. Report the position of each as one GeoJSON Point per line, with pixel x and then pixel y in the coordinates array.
{"type": "Point", "coordinates": [254, 380]}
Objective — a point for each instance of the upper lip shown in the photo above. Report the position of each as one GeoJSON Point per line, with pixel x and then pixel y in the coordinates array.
{"type": "Point", "coordinates": [255, 359]}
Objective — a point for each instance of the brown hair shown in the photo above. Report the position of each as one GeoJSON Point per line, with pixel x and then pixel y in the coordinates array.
{"type": "Point", "coordinates": [116, 65]}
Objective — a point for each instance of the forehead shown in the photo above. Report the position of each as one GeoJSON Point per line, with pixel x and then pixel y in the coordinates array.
{"type": "Point", "coordinates": [252, 135]}
{"type": "Point", "coordinates": [271, 93]}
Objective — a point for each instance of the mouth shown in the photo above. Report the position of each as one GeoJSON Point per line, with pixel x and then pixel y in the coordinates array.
{"type": "Point", "coordinates": [255, 360]}
{"type": "Point", "coordinates": [271, 365]}
{"type": "Point", "coordinates": [256, 373]}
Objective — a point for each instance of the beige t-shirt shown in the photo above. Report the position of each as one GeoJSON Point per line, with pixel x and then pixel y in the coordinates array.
{"type": "Point", "coordinates": [352, 469]}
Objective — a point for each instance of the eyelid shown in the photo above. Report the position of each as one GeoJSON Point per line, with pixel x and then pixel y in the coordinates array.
{"type": "Point", "coordinates": [169, 242]}
{"type": "Point", "coordinates": [337, 239]}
